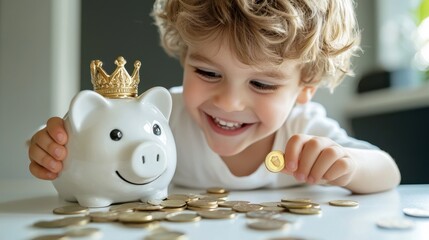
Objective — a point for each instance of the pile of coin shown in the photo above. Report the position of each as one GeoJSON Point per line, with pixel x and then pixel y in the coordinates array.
{"type": "Point", "coordinates": [213, 204]}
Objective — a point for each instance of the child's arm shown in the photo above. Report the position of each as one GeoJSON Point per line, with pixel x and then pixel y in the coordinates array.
{"type": "Point", "coordinates": [314, 159]}
{"type": "Point", "coordinates": [47, 150]}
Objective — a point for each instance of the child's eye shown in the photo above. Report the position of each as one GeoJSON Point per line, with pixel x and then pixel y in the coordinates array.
{"type": "Point", "coordinates": [207, 74]}
{"type": "Point", "coordinates": [263, 86]}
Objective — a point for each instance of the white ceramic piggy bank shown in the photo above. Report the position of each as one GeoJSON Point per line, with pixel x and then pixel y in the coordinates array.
{"type": "Point", "coordinates": [119, 150]}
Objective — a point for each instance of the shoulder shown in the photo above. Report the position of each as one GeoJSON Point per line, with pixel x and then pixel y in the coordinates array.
{"type": "Point", "coordinates": [308, 110]}
{"type": "Point", "coordinates": [308, 116]}
{"type": "Point", "coordinates": [311, 118]}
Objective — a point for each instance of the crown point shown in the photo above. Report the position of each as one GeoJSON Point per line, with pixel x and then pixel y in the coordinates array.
{"type": "Point", "coordinates": [120, 61]}
{"type": "Point", "coordinates": [117, 85]}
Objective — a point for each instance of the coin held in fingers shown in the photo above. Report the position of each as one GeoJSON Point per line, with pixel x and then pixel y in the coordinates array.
{"type": "Point", "coordinates": [275, 161]}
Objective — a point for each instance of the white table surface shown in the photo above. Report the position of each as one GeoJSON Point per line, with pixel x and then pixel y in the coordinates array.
{"type": "Point", "coordinates": [23, 202]}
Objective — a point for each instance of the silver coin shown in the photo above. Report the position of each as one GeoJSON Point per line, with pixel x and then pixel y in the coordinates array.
{"type": "Point", "coordinates": [395, 223]}
{"type": "Point", "coordinates": [416, 212]}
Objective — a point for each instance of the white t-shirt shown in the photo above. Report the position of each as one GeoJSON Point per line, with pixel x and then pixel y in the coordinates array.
{"type": "Point", "coordinates": [199, 167]}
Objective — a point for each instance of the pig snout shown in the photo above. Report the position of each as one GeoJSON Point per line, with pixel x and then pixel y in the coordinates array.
{"type": "Point", "coordinates": [149, 160]}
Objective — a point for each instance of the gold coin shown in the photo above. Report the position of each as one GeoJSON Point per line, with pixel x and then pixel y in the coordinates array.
{"type": "Point", "coordinates": [197, 209]}
{"type": "Point", "coordinates": [147, 225]}
{"type": "Point", "coordinates": [84, 232]}
{"type": "Point", "coordinates": [218, 214]}
{"type": "Point", "coordinates": [213, 198]}
{"type": "Point", "coordinates": [305, 211]}
{"type": "Point", "coordinates": [148, 207]}
{"type": "Point", "coordinates": [135, 217]}
{"type": "Point", "coordinates": [166, 235]}
{"type": "Point", "coordinates": [267, 224]}
{"type": "Point", "coordinates": [154, 202]}
{"type": "Point", "coordinates": [183, 197]}
{"type": "Point", "coordinates": [73, 209]}
{"type": "Point", "coordinates": [173, 203]}
{"type": "Point", "coordinates": [230, 204]}
{"type": "Point", "coordinates": [63, 222]}
{"type": "Point", "coordinates": [183, 217]}
{"type": "Point", "coordinates": [263, 214]}
{"type": "Point", "coordinates": [159, 216]}
{"type": "Point", "coordinates": [244, 208]}
{"type": "Point", "coordinates": [300, 200]}
{"type": "Point", "coordinates": [47, 224]}
{"type": "Point", "coordinates": [74, 221]}
{"type": "Point", "coordinates": [125, 207]}
{"type": "Point", "coordinates": [275, 161]}
{"type": "Point", "coordinates": [344, 203]}
{"type": "Point", "coordinates": [274, 209]}
{"type": "Point", "coordinates": [171, 210]}
{"type": "Point", "coordinates": [104, 216]}
{"type": "Point", "coordinates": [270, 204]}
{"type": "Point", "coordinates": [301, 205]}
{"type": "Point", "coordinates": [203, 203]}
{"type": "Point", "coordinates": [217, 190]}
{"type": "Point", "coordinates": [315, 205]}
{"type": "Point", "coordinates": [51, 237]}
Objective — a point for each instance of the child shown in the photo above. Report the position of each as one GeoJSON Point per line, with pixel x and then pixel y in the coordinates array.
{"type": "Point", "coordinates": [250, 70]}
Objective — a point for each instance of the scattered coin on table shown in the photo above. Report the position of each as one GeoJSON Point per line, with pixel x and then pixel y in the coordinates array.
{"type": "Point", "coordinates": [344, 203]}
{"type": "Point", "coordinates": [395, 223]}
{"type": "Point", "coordinates": [192, 207]}
{"type": "Point", "coordinates": [167, 235]}
{"type": "Point", "coordinates": [73, 209]}
{"type": "Point", "coordinates": [83, 232]}
{"type": "Point", "coordinates": [267, 224]}
{"type": "Point", "coordinates": [416, 212]}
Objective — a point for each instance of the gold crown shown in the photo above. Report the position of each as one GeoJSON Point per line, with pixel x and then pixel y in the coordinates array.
{"type": "Point", "coordinates": [118, 85]}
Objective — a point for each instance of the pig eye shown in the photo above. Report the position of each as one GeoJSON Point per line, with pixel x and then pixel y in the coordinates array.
{"type": "Point", "coordinates": [116, 134]}
{"type": "Point", "coordinates": [156, 130]}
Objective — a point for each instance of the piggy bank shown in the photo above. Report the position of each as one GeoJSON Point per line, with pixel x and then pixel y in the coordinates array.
{"type": "Point", "coordinates": [119, 150]}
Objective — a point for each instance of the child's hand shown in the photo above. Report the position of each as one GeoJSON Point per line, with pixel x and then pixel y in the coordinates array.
{"type": "Point", "coordinates": [314, 159]}
{"type": "Point", "coordinates": [47, 150]}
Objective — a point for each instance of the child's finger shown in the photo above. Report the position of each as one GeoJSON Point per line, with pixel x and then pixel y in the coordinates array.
{"type": "Point", "coordinates": [41, 172]}
{"type": "Point", "coordinates": [55, 128]}
{"type": "Point", "coordinates": [309, 155]}
{"type": "Point", "coordinates": [325, 160]}
{"type": "Point", "coordinates": [340, 168]}
{"type": "Point", "coordinates": [44, 141]}
{"type": "Point", "coordinates": [293, 150]}
{"type": "Point", "coordinates": [41, 158]}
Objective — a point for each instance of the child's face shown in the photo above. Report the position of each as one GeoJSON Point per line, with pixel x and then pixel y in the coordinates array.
{"type": "Point", "coordinates": [237, 105]}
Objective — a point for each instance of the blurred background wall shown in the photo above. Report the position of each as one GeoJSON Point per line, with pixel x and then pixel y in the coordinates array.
{"type": "Point", "coordinates": [46, 47]}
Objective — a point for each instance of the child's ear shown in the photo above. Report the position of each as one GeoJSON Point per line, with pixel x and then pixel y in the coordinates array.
{"type": "Point", "coordinates": [306, 94]}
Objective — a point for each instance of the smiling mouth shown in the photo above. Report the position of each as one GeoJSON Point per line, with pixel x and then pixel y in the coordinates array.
{"type": "Point", "coordinates": [227, 125]}
{"type": "Point", "coordinates": [133, 183]}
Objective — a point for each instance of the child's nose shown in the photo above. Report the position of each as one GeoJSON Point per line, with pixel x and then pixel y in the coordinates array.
{"type": "Point", "coordinates": [229, 100]}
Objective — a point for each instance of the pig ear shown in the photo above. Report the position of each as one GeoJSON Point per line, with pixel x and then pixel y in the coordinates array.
{"type": "Point", "coordinates": [160, 98]}
{"type": "Point", "coordinates": [82, 105]}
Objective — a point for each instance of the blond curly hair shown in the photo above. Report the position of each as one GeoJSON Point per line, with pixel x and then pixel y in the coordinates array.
{"type": "Point", "coordinates": [322, 34]}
